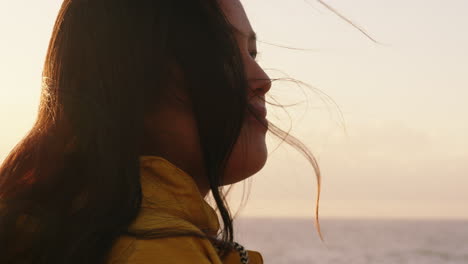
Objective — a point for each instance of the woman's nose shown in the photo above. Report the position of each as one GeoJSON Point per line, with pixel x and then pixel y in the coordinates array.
{"type": "Point", "coordinates": [261, 84]}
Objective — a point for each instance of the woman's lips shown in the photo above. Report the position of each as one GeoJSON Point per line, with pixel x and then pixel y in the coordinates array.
{"type": "Point", "coordinates": [261, 113]}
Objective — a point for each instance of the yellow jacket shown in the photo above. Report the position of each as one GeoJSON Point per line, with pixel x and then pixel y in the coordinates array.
{"type": "Point", "coordinates": [171, 199]}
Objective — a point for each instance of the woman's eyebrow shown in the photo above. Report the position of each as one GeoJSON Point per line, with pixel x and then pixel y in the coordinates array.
{"type": "Point", "coordinates": [251, 36]}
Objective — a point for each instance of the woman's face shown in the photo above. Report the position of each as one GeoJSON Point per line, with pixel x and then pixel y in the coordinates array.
{"type": "Point", "coordinates": [172, 127]}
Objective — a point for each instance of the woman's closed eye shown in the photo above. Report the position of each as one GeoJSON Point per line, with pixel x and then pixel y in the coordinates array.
{"type": "Point", "coordinates": [254, 54]}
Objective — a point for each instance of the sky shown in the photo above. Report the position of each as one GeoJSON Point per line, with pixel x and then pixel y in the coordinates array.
{"type": "Point", "coordinates": [386, 121]}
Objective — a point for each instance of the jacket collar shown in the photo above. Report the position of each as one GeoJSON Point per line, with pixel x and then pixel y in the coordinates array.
{"type": "Point", "coordinates": [171, 199]}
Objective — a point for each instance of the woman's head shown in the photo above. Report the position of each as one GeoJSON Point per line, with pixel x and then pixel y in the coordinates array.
{"type": "Point", "coordinates": [111, 68]}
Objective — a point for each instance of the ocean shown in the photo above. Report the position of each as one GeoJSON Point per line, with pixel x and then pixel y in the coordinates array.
{"type": "Point", "coordinates": [352, 241]}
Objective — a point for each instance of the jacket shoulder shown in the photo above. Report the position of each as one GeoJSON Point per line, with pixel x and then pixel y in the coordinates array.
{"type": "Point", "coordinates": [170, 250]}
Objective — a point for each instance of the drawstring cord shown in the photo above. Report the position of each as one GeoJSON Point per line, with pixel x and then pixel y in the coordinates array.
{"type": "Point", "coordinates": [244, 256]}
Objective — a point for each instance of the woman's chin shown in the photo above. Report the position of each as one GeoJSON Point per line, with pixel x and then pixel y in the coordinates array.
{"type": "Point", "coordinates": [242, 167]}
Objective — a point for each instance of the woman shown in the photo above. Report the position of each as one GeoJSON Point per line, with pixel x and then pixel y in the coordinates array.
{"type": "Point", "coordinates": [146, 107]}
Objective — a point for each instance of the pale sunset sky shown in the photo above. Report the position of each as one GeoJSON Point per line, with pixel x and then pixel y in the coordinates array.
{"type": "Point", "coordinates": [393, 143]}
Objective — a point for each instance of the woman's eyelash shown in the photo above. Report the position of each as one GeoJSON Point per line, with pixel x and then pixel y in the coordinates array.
{"type": "Point", "coordinates": [253, 54]}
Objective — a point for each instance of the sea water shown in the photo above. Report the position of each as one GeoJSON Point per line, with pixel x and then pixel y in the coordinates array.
{"type": "Point", "coordinates": [353, 241]}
